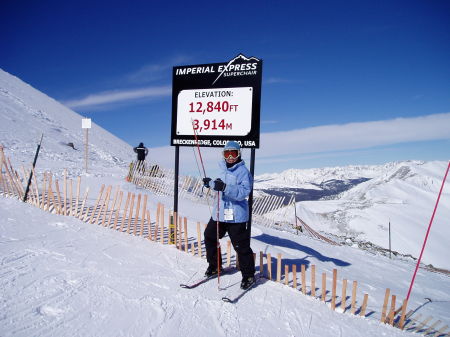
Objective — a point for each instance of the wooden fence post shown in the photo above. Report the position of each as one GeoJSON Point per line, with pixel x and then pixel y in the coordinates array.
{"type": "Point", "coordinates": [113, 208]}
{"type": "Point", "coordinates": [82, 206]}
{"type": "Point", "coordinates": [103, 201]}
{"type": "Point", "coordinates": [91, 219]}
{"type": "Point", "coordinates": [401, 324]}
{"type": "Point", "coordinates": [286, 274]}
{"type": "Point", "coordinates": [144, 209]}
{"type": "Point", "coordinates": [78, 196]}
{"type": "Point", "coordinates": [117, 211]}
{"type": "Point", "coordinates": [130, 213]}
{"type": "Point", "coordinates": [185, 235]}
{"type": "Point", "coordinates": [364, 305]}
{"type": "Point", "coordinates": [149, 235]}
{"type": "Point", "coordinates": [269, 266]}
{"type": "Point", "coordinates": [106, 207]}
{"type": "Point", "coordinates": [313, 280]}
{"type": "Point", "coordinates": [161, 218]}
{"type": "Point", "coordinates": [294, 276]}
{"type": "Point", "coordinates": [385, 303]}
{"type": "Point", "coordinates": [344, 294]}
{"type": "Point", "coordinates": [125, 210]}
{"type": "Point", "coordinates": [303, 271]}
{"type": "Point", "coordinates": [333, 290]}
{"type": "Point", "coordinates": [138, 208]}
{"type": "Point", "coordinates": [354, 288]}
{"type": "Point", "coordinates": [65, 192]}
{"type": "Point", "coordinates": [157, 222]}
{"type": "Point", "coordinates": [392, 311]}
{"type": "Point", "coordinates": [324, 286]}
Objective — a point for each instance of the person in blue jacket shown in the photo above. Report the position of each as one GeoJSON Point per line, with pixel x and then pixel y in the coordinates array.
{"type": "Point", "coordinates": [234, 186]}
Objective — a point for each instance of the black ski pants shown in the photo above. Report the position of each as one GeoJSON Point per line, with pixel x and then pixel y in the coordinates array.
{"type": "Point", "coordinates": [240, 239]}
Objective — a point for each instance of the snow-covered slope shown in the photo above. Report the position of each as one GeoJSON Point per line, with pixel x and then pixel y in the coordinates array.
{"type": "Point", "coordinates": [402, 193]}
{"type": "Point", "coordinates": [26, 113]}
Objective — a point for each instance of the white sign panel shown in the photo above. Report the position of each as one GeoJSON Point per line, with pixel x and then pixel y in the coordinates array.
{"type": "Point", "coordinates": [215, 112]}
{"type": "Point", "coordinates": [86, 123]}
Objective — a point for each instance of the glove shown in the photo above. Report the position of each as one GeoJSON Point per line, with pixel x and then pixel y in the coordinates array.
{"type": "Point", "coordinates": [219, 185]}
{"type": "Point", "coordinates": [206, 182]}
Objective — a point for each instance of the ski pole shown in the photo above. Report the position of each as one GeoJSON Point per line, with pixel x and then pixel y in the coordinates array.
{"type": "Point", "coordinates": [218, 242]}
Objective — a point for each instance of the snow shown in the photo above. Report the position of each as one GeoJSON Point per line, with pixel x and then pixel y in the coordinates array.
{"type": "Point", "coordinates": [60, 276]}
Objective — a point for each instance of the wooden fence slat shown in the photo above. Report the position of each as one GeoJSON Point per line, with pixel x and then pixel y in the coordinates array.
{"type": "Point", "coordinates": [44, 190]}
{"type": "Point", "coordinates": [161, 218]}
{"type": "Point", "coordinates": [125, 210]}
{"type": "Point", "coordinates": [431, 327]}
{"type": "Point", "coordinates": [149, 235]}
{"type": "Point", "coordinates": [364, 305]}
{"type": "Point", "coordinates": [333, 290]}
{"type": "Point", "coordinates": [303, 271]}
{"type": "Point", "coordinates": [105, 206]}
{"type": "Point", "coordinates": [286, 274]}
{"type": "Point", "coordinates": [58, 195]}
{"type": "Point", "coordinates": [102, 205]}
{"type": "Point", "coordinates": [130, 213]}
{"type": "Point", "coordinates": [354, 288]}
{"type": "Point", "coordinates": [344, 294]}
{"type": "Point", "coordinates": [294, 276]}
{"type": "Point", "coordinates": [313, 280]}
{"type": "Point", "coordinates": [65, 193]}
{"type": "Point", "coordinates": [113, 208]}
{"type": "Point", "coordinates": [185, 235]}
{"type": "Point", "coordinates": [70, 197]}
{"type": "Point", "coordinates": [144, 210]}
{"type": "Point", "coordinates": [385, 303]}
{"type": "Point", "coordinates": [324, 286]}
{"type": "Point", "coordinates": [403, 315]}
{"type": "Point", "coordinates": [117, 212]}
{"type": "Point", "coordinates": [392, 311]}
{"type": "Point", "coordinates": [82, 205]}
{"type": "Point", "coordinates": [421, 325]}
{"type": "Point", "coordinates": [441, 331]}
{"type": "Point", "coordinates": [138, 209]}
{"type": "Point", "coordinates": [78, 196]}
{"type": "Point", "coordinates": [91, 218]}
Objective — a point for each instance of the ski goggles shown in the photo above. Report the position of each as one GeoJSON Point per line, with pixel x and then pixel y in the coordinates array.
{"type": "Point", "coordinates": [231, 153]}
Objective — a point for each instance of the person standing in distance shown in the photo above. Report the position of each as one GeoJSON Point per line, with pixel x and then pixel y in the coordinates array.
{"type": "Point", "coordinates": [234, 184]}
{"type": "Point", "coordinates": [141, 151]}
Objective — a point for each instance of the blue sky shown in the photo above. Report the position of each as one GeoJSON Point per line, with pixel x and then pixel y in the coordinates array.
{"type": "Point", "coordinates": [341, 65]}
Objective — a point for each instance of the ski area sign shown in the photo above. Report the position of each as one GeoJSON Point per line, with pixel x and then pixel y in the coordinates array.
{"type": "Point", "coordinates": [214, 103]}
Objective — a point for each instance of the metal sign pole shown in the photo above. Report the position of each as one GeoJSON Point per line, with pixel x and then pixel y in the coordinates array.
{"type": "Point", "coordinates": [175, 187]}
{"type": "Point", "coordinates": [86, 124]}
{"type": "Point", "coordinates": [250, 197]}
{"type": "Point", "coordinates": [86, 138]}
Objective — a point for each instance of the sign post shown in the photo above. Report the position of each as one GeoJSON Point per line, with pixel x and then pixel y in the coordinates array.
{"type": "Point", "coordinates": [215, 103]}
{"type": "Point", "coordinates": [86, 125]}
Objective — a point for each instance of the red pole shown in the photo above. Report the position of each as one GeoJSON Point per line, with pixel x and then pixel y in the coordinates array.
{"type": "Point", "coordinates": [428, 232]}
{"type": "Point", "coordinates": [218, 242]}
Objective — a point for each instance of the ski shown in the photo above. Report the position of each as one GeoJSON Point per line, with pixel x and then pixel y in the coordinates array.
{"type": "Point", "coordinates": [238, 295]}
{"type": "Point", "coordinates": [204, 279]}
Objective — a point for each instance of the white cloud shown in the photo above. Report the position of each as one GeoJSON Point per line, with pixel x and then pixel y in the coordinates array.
{"type": "Point", "coordinates": [108, 97]}
{"type": "Point", "coordinates": [355, 135]}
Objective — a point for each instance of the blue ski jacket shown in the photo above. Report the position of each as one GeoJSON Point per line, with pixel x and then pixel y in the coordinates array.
{"type": "Point", "coordinates": [239, 184]}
